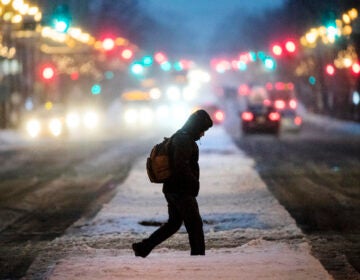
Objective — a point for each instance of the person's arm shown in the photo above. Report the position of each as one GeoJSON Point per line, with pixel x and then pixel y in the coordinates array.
{"type": "Point", "coordinates": [182, 152]}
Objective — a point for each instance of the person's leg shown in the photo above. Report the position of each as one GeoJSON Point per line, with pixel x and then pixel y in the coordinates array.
{"type": "Point", "coordinates": [194, 225]}
{"type": "Point", "coordinates": [173, 224]}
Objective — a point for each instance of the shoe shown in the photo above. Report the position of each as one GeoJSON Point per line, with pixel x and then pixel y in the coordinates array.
{"type": "Point", "coordinates": [140, 250]}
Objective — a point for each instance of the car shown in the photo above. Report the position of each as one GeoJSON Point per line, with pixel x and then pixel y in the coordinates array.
{"type": "Point", "coordinates": [48, 121]}
{"type": "Point", "coordinates": [283, 97]}
{"type": "Point", "coordinates": [260, 118]}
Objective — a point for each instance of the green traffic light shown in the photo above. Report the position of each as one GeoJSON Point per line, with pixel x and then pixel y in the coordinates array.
{"type": "Point", "coordinates": [61, 25]}
{"type": "Point", "coordinates": [61, 18]}
{"type": "Point", "coordinates": [270, 63]}
{"type": "Point", "coordinates": [96, 89]}
{"type": "Point", "coordinates": [166, 66]}
{"type": "Point", "coordinates": [137, 69]}
{"type": "Point", "coordinates": [147, 60]}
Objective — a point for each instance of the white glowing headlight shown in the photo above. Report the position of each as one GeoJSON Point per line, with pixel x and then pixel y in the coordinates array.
{"type": "Point", "coordinates": [91, 120]}
{"type": "Point", "coordinates": [131, 116]}
{"type": "Point", "coordinates": [73, 120]}
{"type": "Point", "coordinates": [146, 116]}
{"type": "Point", "coordinates": [55, 127]}
{"type": "Point", "coordinates": [173, 93]}
{"type": "Point", "coordinates": [155, 93]}
{"type": "Point", "coordinates": [33, 128]}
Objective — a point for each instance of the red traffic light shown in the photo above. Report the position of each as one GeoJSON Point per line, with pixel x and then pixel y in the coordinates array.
{"type": "Point", "coordinates": [108, 44]}
{"type": "Point", "coordinates": [160, 57]}
{"type": "Point", "coordinates": [277, 50]}
{"type": "Point", "coordinates": [47, 72]}
{"type": "Point", "coordinates": [127, 54]}
{"type": "Point", "coordinates": [290, 46]}
{"type": "Point", "coordinates": [355, 68]}
{"type": "Point", "coordinates": [330, 69]}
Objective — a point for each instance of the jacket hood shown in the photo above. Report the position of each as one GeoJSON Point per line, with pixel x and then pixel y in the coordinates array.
{"type": "Point", "coordinates": [198, 122]}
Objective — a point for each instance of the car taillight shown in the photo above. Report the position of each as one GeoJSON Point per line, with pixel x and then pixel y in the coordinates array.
{"type": "Point", "coordinates": [279, 104]}
{"type": "Point", "coordinates": [274, 116]}
{"type": "Point", "coordinates": [247, 116]}
{"type": "Point", "coordinates": [219, 115]}
{"type": "Point", "coordinates": [298, 120]}
{"type": "Point", "coordinates": [267, 102]}
{"type": "Point", "coordinates": [293, 104]}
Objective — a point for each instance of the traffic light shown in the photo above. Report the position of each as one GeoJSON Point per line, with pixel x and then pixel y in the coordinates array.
{"type": "Point", "coordinates": [137, 69]}
{"type": "Point", "coordinates": [160, 57]}
{"type": "Point", "coordinates": [290, 46]}
{"type": "Point", "coordinates": [330, 70]}
{"type": "Point", "coordinates": [269, 63]}
{"type": "Point", "coordinates": [147, 60]}
{"type": "Point", "coordinates": [108, 44]}
{"type": "Point", "coordinates": [127, 54]}
{"type": "Point", "coordinates": [61, 19]}
{"type": "Point", "coordinates": [96, 89]}
{"type": "Point", "coordinates": [47, 72]}
{"type": "Point", "coordinates": [355, 68]}
{"type": "Point", "coordinates": [277, 49]}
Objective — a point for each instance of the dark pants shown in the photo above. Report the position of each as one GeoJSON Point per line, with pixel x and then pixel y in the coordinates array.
{"type": "Point", "coordinates": [182, 208]}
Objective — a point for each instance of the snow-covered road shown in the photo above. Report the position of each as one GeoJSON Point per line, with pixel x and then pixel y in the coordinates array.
{"type": "Point", "coordinates": [249, 235]}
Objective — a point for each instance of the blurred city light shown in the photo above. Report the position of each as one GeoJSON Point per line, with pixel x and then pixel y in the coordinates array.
{"type": "Point", "coordinates": [330, 69]}
{"type": "Point", "coordinates": [108, 44]}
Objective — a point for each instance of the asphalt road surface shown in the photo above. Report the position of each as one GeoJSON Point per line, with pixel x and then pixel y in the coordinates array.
{"type": "Point", "coordinates": [315, 175]}
{"type": "Point", "coordinates": [46, 186]}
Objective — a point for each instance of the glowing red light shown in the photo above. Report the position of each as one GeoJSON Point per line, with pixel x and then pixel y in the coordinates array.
{"type": "Point", "coordinates": [277, 50]}
{"type": "Point", "coordinates": [274, 116]}
{"type": "Point", "coordinates": [279, 104]}
{"type": "Point", "coordinates": [290, 46]}
{"type": "Point", "coordinates": [247, 116]}
{"type": "Point", "coordinates": [74, 76]}
{"type": "Point", "coordinates": [48, 72]}
{"type": "Point", "coordinates": [267, 102]}
{"type": "Point", "coordinates": [279, 86]}
{"type": "Point", "coordinates": [108, 44]}
{"type": "Point", "coordinates": [330, 69]}
{"type": "Point", "coordinates": [356, 68]}
{"type": "Point", "coordinates": [160, 57]}
{"type": "Point", "coordinates": [298, 120]}
{"type": "Point", "coordinates": [127, 54]}
{"type": "Point", "coordinates": [219, 115]}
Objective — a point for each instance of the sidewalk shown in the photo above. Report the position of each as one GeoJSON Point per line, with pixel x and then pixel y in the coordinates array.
{"type": "Point", "coordinates": [249, 235]}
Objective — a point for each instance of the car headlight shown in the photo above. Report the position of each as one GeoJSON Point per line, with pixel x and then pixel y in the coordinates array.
{"type": "Point", "coordinates": [55, 127]}
{"type": "Point", "coordinates": [91, 119]}
{"type": "Point", "coordinates": [131, 116]}
{"type": "Point", "coordinates": [33, 128]}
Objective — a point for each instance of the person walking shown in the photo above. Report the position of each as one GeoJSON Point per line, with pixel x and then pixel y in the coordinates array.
{"type": "Point", "coordinates": [182, 188]}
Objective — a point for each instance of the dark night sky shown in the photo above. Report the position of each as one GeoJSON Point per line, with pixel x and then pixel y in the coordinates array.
{"type": "Point", "coordinates": [201, 17]}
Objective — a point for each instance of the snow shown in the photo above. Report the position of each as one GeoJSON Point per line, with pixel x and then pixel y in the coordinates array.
{"type": "Point", "coordinates": [248, 234]}
{"type": "Point", "coordinates": [257, 260]}
{"type": "Point", "coordinates": [235, 204]}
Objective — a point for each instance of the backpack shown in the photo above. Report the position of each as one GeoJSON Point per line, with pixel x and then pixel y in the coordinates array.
{"type": "Point", "coordinates": [158, 163]}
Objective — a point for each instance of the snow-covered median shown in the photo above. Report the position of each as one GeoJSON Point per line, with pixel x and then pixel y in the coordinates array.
{"type": "Point", "coordinates": [249, 235]}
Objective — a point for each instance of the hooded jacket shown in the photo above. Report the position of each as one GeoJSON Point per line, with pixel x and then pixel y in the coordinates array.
{"type": "Point", "coordinates": [184, 155]}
